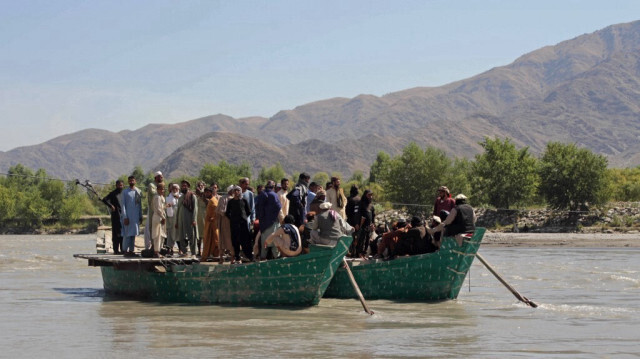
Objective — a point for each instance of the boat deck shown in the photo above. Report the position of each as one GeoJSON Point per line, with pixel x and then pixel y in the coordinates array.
{"type": "Point", "coordinates": [109, 260]}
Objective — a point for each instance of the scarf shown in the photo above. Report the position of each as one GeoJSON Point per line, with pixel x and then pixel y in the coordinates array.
{"type": "Point", "coordinates": [293, 234]}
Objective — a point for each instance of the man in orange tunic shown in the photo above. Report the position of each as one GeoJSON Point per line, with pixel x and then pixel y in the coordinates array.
{"type": "Point", "coordinates": [211, 244]}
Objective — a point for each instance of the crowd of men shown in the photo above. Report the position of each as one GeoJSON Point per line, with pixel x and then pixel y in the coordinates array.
{"type": "Point", "coordinates": [277, 220]}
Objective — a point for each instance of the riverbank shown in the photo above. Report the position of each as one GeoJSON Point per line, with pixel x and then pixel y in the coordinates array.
{"type": "Point", "coordinates": [578, 240]}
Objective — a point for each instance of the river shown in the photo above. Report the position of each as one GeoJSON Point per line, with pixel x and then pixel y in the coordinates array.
{"type": "Point", "coordinates": [53, 304]}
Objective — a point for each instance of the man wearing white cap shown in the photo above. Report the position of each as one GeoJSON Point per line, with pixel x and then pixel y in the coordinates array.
{"type": "Point", "coordinates": [151, 192]}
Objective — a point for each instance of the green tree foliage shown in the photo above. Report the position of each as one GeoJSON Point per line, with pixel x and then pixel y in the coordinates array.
{"type": "Point", "coordinates": [8, 203]}
{"type": "Point", "coordinates": [625, 184]}
{"type": "Point", "coordinates": [320, 178]}
{"type": "Point", "coordinates": [458, 179]}
{"type": "Point", "coordinates": [224, 174]}
{"type": "Point", "coordinates": [503, 176]}
{"type": "Point", "coordinates": [275, 173]}
{"type": "Point", "coordinates": [414, 176]}
{"type": "Point", "coordinates": [380, 167]}
{"type": "Point", "coordinates": [572, 177]}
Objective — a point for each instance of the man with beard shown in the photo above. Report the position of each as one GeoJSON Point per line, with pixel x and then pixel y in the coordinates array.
{"type": "Point", "coordinates": [172, 202]}
{"type": "Point", "coordinates": [131, 216]}
{"type": "Point", "coordinates": [151, 192]}
{"type": "Point", "coordinates": [298, 199]}
{"type": "Point", "coordinates": [335, 196]}
{"type": "Point", "coordinates": [113, 202]}
{"type": "Point", "coordinates": [186, 220]}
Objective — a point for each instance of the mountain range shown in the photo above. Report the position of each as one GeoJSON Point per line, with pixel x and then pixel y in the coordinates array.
{"type": "Point", "coordinates": [584, 90]}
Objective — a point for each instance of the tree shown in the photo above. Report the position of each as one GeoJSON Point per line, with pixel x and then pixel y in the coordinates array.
{"type": "Point", "coordinates": [413, 177]}
{"type": "Point", "coordinates": [224, 173]}
{"type": "Point", "coordinates": [624, 184]}
{"type": "Point", "coordinates": [380, 167]}
{"type": "Point", "coordinates": [458, 179]}
{"type": "Point", "coordinates": [572, 177]}
{"type": "Point", "coordinates": [504, 176]}
{"type": "Point", "coordinates": [275, 173]}
{"type": "Point", "coordinates": [7, 203]}
{"type": "Point", "coordinates": [321, 178]}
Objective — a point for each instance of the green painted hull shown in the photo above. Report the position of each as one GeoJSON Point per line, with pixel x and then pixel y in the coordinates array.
{"type": "Point", "coordinates": [296, 281]}
{"type": "Point", "coordinates": [426, 277]}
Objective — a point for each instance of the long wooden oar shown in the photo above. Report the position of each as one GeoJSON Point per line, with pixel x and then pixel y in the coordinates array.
{"type": "Point", "coordinates": [504, 282]}
{"type": "Point", "coordinates": [356, 288]}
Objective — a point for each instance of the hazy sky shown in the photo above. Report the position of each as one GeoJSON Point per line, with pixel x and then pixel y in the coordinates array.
{"type": "Point", "coordinates": [71, 65]}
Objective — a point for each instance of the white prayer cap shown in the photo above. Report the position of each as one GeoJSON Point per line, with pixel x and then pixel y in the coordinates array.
{"type": "Point", "coordinates": [158, 173]}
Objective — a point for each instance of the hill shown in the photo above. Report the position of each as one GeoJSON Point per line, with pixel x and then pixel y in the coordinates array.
{"type": "Point", "coordinates": [584, 90]}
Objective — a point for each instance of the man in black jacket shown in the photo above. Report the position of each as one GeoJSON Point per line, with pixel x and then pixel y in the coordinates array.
{"type": "Point", "coordinates": [112, 201]}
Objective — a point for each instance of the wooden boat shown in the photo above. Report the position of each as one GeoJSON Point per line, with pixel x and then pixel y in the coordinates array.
{"type": "Point", "coordinates": [425, 277]}
{"type": "Point", "coordinates": [296, 281]}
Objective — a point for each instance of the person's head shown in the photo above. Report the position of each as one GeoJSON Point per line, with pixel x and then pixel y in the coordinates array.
{"type": "Point", "coordinates": [271, 184]}
{"type": "Point", "coordinates": [214, 188]}
{"type": "Point", "coordinates": [158, 177]}
{"type": "Point", "coordinates": [284, 184]}
{"type": "Point", "coordinates": [461, 199]}
{"type": "Point", "coordinates": [354, 191]}
{"type": "Point", "coordinates": [313, 187]}
{"type": "Point", "coordinates": [230, 190]}
{"type": "Point", "coordinates": [321, 194]}
{"type": "Point", "coordinates": [260, 188]}
{"type": "Point", "coordinates": [401, 223]}
{"type": "Point", "coordinates": [325, 206]}
{"type": "Point", "coordinates": [174, 188]}
{"type": "Point", "coordinates": [184, 186]}
{"type": "Point", "coordinates": [416, 221]}
{"type": "Point", "coordinates": [237, 192]}
{"type": "Point", "coordinates": [435, 221]}
{"type": "Point", "coordinates": [328, 186]}
{"type": "Point", "coordinates": [335, 182]}
{"type": "Point", "coordinates": [119, 185]}
{"type": "Point", "coordinates": [289, 219]}
{"type": "Point", "coordinates": [132, 181]}
{"type": "Point", "coordinates": [304, 177]}
{"type": "Point", "coordinates": [208, 193]}
{"type": "Point", "coordinates": [200, 186]}
{"type": "Point", "coordinates": [160, 188]}
{"type": "Point", "coordinates": [244, 183]}
{"type": "Point", "coordinates": [443, 192]}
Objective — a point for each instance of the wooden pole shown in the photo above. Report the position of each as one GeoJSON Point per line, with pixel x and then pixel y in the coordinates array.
{"type": "Point", "coordinates": [504, 282]}
{"type": "Point", "coordinates": [356, 288]}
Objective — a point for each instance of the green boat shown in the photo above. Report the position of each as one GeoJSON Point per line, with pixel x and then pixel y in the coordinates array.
{"type": "Point", "coordinates": [425, 277]}
{"type": "Point", "coordinates": [295, 281]}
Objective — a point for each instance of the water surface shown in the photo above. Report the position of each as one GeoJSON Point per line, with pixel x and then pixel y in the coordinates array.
{"type": "Point", "coordinates": [588, 307]}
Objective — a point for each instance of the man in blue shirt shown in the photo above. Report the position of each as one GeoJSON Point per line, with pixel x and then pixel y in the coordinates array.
{"type": "Point", "coordinates": [267, 209]}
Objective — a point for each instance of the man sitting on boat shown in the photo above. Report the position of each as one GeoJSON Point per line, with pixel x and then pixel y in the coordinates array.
{"type": "Point", "coordinates": [286, 239]}
{"type": "Point", "coordinates": [328, 226]}
{"type": "Point", "coordinates": [460, 222]}
{"type": "Point", "coordinates": [390, 239]}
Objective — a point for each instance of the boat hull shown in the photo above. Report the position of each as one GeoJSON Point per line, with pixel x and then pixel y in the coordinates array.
{"type": "Point", "coordinates": [425, 277]}
{"type": "Point", "coordinates": [295, 281]}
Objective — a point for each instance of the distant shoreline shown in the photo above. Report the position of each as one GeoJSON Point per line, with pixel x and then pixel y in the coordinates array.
{"type": "Point", "coordinates": [578, 240]}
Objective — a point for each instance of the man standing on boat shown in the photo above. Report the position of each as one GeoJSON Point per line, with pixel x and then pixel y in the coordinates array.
{"type": "Point", "coordinates": [113, 202]}
{"type": "Point", "coordinates": [172, 202]}
{"type": "Point", "coordinates": [131, 216]}
{"type": "Point", "coordinates": [186, 220]}
{"type": "Point", "coordinates": [335, 195]}
{"type": "Point", "coordinates": [443, 202]}
{"type": "Point", "coordinates": [248, 196]}
{"type": "Point", "coordinates": [298, 199]}
{"type": "Point", "coordinates": [267, 209]}
{"type": "Point", "coordinates": [151, 192]}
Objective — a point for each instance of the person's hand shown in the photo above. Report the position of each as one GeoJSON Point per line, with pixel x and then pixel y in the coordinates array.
{"type": "Point", "coordinates": [113, 208]}
{"type": "Point", "coordinates": [193, 224]}
{"type": "Point", "coordinates": [126, 221]}
{"type": "Point", "coordinates": [162, 221]}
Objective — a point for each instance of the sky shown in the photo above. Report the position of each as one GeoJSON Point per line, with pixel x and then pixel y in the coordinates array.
{"type": "Point", "coordinates": [66, 66]}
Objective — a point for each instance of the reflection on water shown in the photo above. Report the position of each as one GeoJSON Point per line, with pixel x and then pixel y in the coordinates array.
{"type": "Point", "coordinates": [54, 304]}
